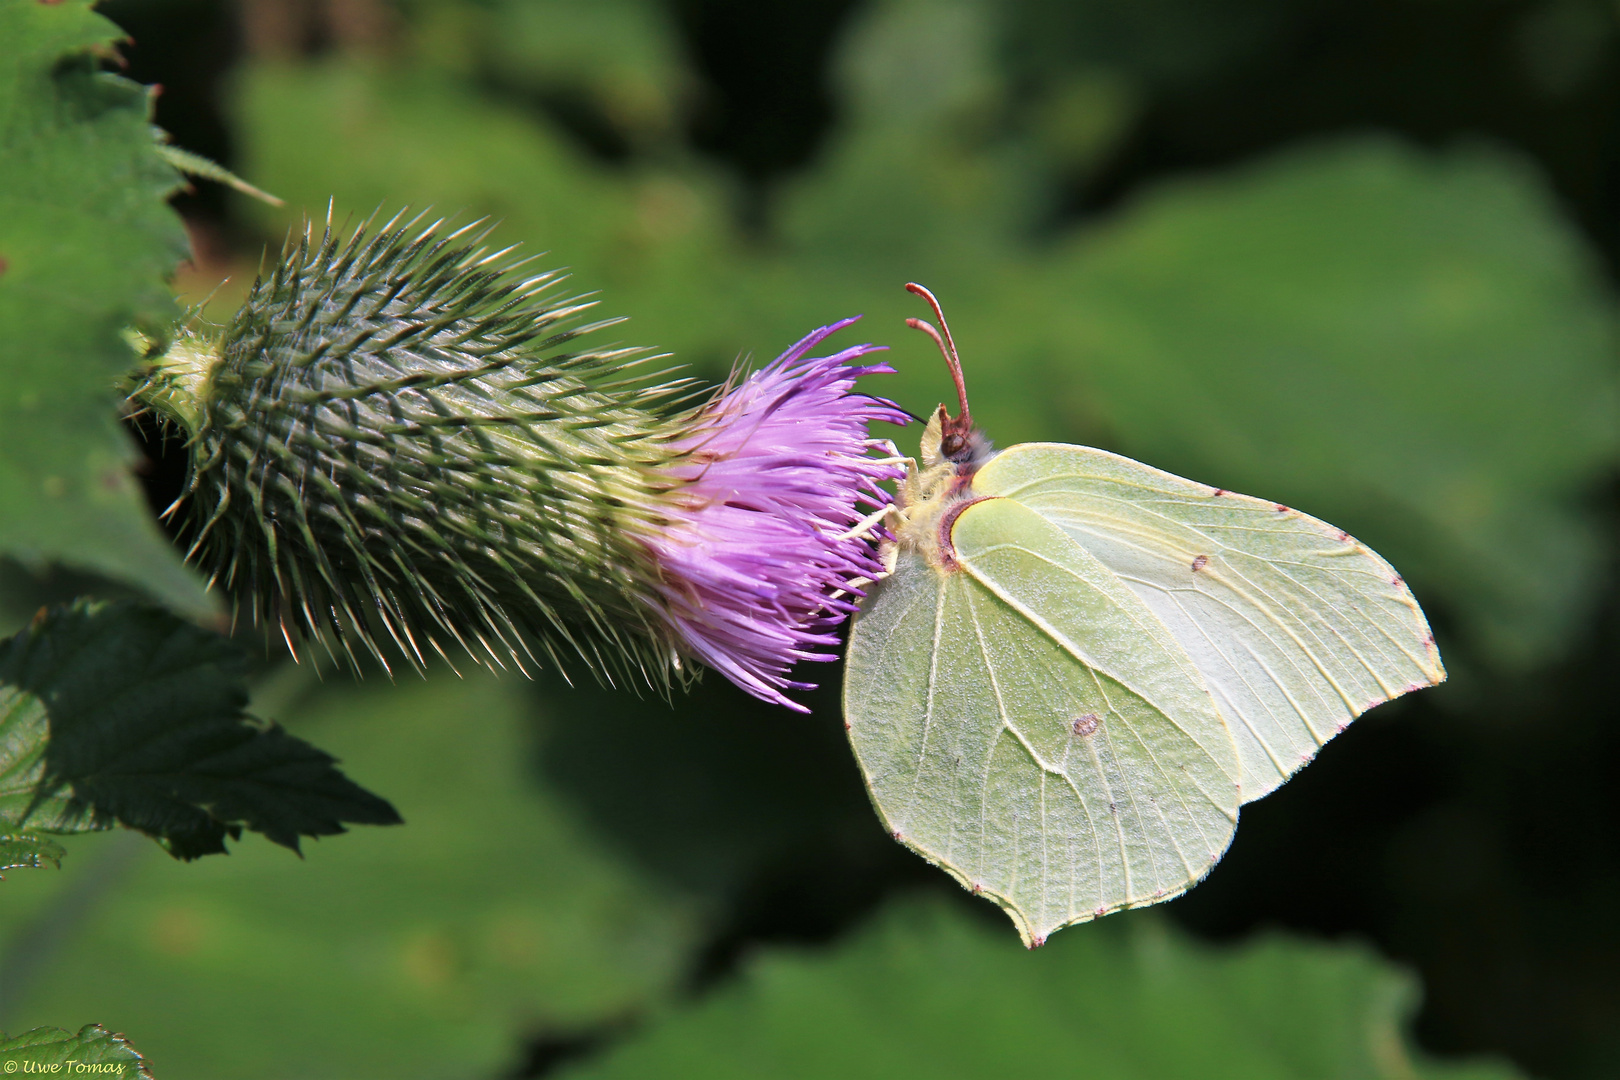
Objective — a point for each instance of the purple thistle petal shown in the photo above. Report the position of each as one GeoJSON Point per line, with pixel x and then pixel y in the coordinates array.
{"type": "Point", "coordinates": [775, 471]}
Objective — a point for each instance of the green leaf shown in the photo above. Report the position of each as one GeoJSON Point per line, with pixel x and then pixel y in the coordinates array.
{"type": "Point", "coordinates": [429, 951]}
{"type": "Point", "coordinates": [695, 791]}
{"type": "Point", "coordinates": [86, 241]}
{"type": "Point", "coordinates": [896, 194]}
{"type": "Point", "coordinates": [623, 56]}
{"type": "Point", "coordinates": [26, 849]}
{"type": "Point", "coordinates": [24, 591]}
{"type": "Point", "coordinates": [119, 713]}
{"type": "Point", "coordinates": [93, 1051]}
{"type": "Point", "coordinates": [928, 992]}
{"type": "Point", "coordinates": [365, 137]}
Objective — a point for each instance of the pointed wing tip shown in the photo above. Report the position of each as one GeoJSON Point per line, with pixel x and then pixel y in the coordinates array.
{"type": "Point", "coordinates": [1034, 936]}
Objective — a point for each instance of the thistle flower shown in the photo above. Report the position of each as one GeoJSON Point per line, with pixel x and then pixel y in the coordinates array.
{"type": "Point", "coordinates": [776, 471]}
{"type": "Point", "coordinates": [400, 443]}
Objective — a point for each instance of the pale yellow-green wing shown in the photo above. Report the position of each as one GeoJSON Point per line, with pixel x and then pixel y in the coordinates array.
{"type": "Point", "coordinates": [1297, 627]}
{"type": "Point", "coordinates": [1026, 723]}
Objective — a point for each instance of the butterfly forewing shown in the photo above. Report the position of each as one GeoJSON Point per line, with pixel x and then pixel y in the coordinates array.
{"type": "Point", "coordinates": [1296, 627]}
{"type": "Point", "coordinates": [1024, 721]}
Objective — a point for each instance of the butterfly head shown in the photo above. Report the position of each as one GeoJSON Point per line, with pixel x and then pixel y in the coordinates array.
{"type": "Point", "coordinates": [945, 441]}
{"type": "Point", "coordinates": [940, 484]}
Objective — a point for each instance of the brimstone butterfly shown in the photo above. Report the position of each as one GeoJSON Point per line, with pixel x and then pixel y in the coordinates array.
{"type": "Point", "coordinates": [1079, 667]}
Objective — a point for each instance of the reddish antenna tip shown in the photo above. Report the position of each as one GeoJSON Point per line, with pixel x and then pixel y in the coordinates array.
{"type": "Point", "coordinates": [962, 422]}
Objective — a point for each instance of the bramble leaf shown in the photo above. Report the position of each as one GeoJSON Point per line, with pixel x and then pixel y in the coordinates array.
{"type": "Point", "coordinates": [28, 850]}
{"type": "Point", "coordinates": [86, 241]}
{"type": "Point", "coordinates": [114, 713]}
{"type": "Point", "coordinates": [498, 915]}
{"type": "Point", "coordinates": [81, 1052]}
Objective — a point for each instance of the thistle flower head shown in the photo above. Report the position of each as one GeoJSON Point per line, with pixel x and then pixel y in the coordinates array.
{"type": "Point", "coordinates": [757, 563]}
{"type": "Point", "coordinates": [402, 443]}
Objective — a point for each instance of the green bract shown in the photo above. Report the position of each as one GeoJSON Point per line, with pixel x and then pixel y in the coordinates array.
{"type": "Point", "coordinates": [399, 438]}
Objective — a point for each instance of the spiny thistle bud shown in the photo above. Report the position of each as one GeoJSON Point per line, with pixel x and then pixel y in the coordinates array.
{"type": "Point", "coordinates": [400, 439]}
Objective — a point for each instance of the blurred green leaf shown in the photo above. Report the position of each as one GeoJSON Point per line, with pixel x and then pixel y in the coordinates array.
{"type": "Point", "coordinates": [93, 1045]}
{"type": "Point", "coordinates": [1416, 347]}
{"type": "Point", "coordinates": [716, 789]}
{"type": "Point", "coordinates": [915, 176]}
{"type": "Point", "coordinates": [424, 140]}
{"type": "Point", "coordinates": [621, 55]}
{"type": "Point", "coordinates": [23, 591]}
{"type": "Point", "coordinates": [1169, 42]}
{"type": "Point", "coordinates": [426, 951]}
{"type": "Point", "coordinates": [929, 992]}
{"type": "Point", "coordinates": [27, 850]}
{"type": "Point", "coordinates": [656, 242]}
{"type": "Point", "coordinates": [118, 713]}
{"type": "Point", "coordinates": [85, 244]}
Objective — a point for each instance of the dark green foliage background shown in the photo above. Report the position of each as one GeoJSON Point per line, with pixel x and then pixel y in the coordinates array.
{"type": "Point", "coordinates": [1355, 256]}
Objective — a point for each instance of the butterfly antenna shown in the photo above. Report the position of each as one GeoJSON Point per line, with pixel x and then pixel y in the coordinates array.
{"type": "Point", "coordinates": [958, 428]}
{"type": "Point", "coordinates": [947, 348]}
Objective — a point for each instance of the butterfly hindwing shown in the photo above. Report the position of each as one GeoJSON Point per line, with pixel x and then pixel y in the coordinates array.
{"type": "Point", "coordinates": [1024, 721]}
{"type": "Point", "coordinates": [1296, 627]}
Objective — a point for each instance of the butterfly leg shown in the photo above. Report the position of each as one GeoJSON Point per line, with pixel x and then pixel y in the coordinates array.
{"type": "Point", "coordinates": [889, 554]}
{"type": "Point", "coordinates": [892, 453]}
{"type": "Point", "coordinates": [866, 524]}
{"type": "Point", "coordinates": [888, 551]}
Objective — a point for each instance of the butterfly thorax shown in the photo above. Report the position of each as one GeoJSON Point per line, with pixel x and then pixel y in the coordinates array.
{"type": "Point", "coordinates": [939, 488]}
